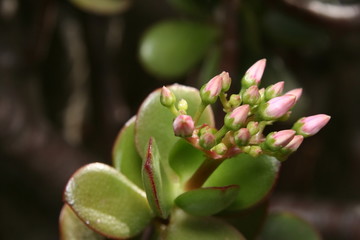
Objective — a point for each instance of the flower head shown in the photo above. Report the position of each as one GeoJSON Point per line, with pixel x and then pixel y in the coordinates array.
{"type": "Point", "coordinates": [235, 119]}
{"type": "Point", "coordinates": [277, 107]}
{"type": "Point", "coordinates": [309, 126]}
{"type": "Point", "coordinates": [211, 90]}
{"type": "Point", "coordinates": [254, 74]}
{"type": "Point", "coordinates": [183, 126]}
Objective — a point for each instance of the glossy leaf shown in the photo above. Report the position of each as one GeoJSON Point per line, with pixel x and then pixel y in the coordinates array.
{"type": "Point", "coordinates": [171, 48]}
{"type": "Point", "coordinates": [184, 227]}
{"type": "Point", "coordinates": [285, 226]}
{"type": "Point", "coordinates": [184, 159]}
{"type": "Point", "coordinates": [72, 228]}
{"type": "Point", "coordinates": [255, 176]}
{"type": "Point", "coordinates": [107, 201]}
{"type": "Point", "coordinates": [207, 201]}
{"type": "Point", "coordinates": [155, 120]}
{"type": "Point", "coordinates": [155, 181]}
{"type": "Point", "coordinates": [102, 7]}
{"type": "Point", "coordinates": [125, 156]}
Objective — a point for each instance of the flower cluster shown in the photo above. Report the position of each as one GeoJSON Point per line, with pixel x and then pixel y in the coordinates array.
{"type": "Point", "coordinates": [247, 115]}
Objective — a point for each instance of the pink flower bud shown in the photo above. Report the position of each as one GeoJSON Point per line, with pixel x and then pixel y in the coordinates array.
{"type": "Point", "coordinates": [226, 81]}
{"type": "Point", "coordinates": [277, 140]}
{"type": "Point", "coordinates": [207, 140]}
{"type": "Point", "coordinates": [309, 126]}
{"type": "Point", "coordinates": [167, 97]}
{"type": "Point", "coordinates": [220, 149]}
{"type": "Point", "coordinates": [211, 90]}
{"type": "Point", "coordinates": [277, 107]}
{"type": "Point", "coordinates": [242, 137]}
{"type": "Point", "coordinates": [294, 144]}
{"type": "Point", "coordinates": [254, 74]}
{"type": "Point", "coordinates": [183, 126]}
{"type": "Point", "coordinates": [297, 92]}
{"type": "Point", "coordinates": [251, 95]}
{"type": "Point", "coordinates": [253, 127]}
{"type": "Point", "coordinates": [237, 117]}
{"type": "Point", "coordinates": [274, 90]}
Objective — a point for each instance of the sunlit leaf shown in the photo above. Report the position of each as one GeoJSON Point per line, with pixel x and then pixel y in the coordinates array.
{"type": "Point", "coordinates": [105, 7]}
{"type": "Point", "coordinates": [107, 201]}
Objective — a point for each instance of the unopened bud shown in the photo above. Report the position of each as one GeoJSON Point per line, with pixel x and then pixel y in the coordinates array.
{"type": "Point", "coordinates": [253, 127]}
{"type": "Point", "coordinates": [274, 90]}
{"type": "Point", "coordinates": [297, 92]}
{"type": "Point", "coordinates": [251, 95]}
{"type": "Point", "coordinates": [242, 137]}
{"type": "Point", "coordinates": [183, 126]}
{"type": "Point", "coordinates": [220, 149]}
{"type": "Point", "coordinates": [309, 126]}
{"type": "Point", "coordinates": [167, 97]}
{"type": "Point", "coordinates": [255, 151]}
{"type": "Point", "coordinates": [183, 106]}
{"type": "Point", "coordinates": [277, 140]}
{"type": "Point", "coordinates": [235, 119]}
{"type": "Point", "coordinates": [293, 145]}
{"type": "Point", "coordinates": [210, 91]}
{"type": "Point", "coordinates": [254, 74]}
{"type": "Point", "coordinates": [277, 107]}
{"type": "Point", "coordinates": [235, 100]}
{"type": "Point", "coordinates": [226, 81]}
{"type": "Point", "coordinates": [207, 140]}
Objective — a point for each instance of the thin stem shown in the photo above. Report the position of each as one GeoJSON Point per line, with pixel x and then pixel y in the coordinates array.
{"type": "Point", "coordinates": [174, 110]}
{"type": "Point", "coordinates": [224, 101]}
{"type": "Point", "coordinates": [221, 133]}
{"type": "Point", "coordinates": [202, 173]}
{"type": "Point", "coordinates": [199, 112]}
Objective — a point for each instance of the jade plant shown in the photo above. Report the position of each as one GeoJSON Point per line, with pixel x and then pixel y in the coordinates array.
{"type": "Point", "coordinates": [176, 176]}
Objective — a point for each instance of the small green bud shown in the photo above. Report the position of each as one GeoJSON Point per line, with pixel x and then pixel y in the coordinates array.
{"type": "Point", "coordinates": [235, 100]}
{"type": "Point", "coordinates": [167, 97]}
{"type": "Point", "coordinates": [253, 127]}
{"type": "Point", "coordinates": [251, 95]}
{"type": "Point", "coordinates": [207, 140]}
{"type": "Point", "coordinates": [255, 151]}
{"type": "Point", "coordinates": [183, 106]}
{"type": "Point", "coordinates": [242, 137]}
{"type": "Point", "coordinates": [220, 149]}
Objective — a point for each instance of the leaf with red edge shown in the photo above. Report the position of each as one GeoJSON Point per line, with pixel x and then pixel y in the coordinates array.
{"type": "Point", "coordinates": [207, 201]}
{"type": "Point", "coordinates": [72, 228]}
{"type": "Point", "coordinates": [155, 182]}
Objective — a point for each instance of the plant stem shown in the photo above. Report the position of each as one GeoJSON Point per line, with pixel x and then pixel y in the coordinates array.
{"type": "Point", "coordinates": [174, 110]}
{"type": "Point", "coordinates": [199, 112]}
{"type": "Point", "coordinates": [224, 101]}
{"type": "Point", "coordinates": [202, 173]}
{"type": "Point", "coordinates": [221, 133]}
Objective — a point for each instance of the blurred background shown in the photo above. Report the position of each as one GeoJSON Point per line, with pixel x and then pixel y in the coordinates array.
{"type": "Point", "coordinates": [72, 72]}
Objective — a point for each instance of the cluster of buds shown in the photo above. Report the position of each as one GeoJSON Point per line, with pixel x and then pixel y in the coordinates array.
{"type": "Point", "coordinates": [247, 115]}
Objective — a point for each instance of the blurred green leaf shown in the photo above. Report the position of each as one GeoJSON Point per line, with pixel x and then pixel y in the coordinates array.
{"type": "Point", "coordinates": [155, 182]}
{"type": "Point", "coordinates": [105, 7]}
{"type": "Point", "coordinates": [255, 176]}
{"type": "Point", "coordinates": [184, 227]}
{"type": "Point", "coordinates": [171, 48]}
{"type": "Point", "coordinates": [107, 201]}
{"type": "Point", "coordinates": [155, 120]}
{"type": "Point", "coordinates": [207, 201]}
{"type": "Point", "coordinates": [285, 226]}
{"type": "Point", "coordinates": [124, 154]}
{"type": "Point", "coordinates": [72, 228]}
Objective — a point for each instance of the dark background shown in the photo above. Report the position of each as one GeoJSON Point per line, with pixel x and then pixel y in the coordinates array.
{"type": "Point", "coordinates": [69, 79]}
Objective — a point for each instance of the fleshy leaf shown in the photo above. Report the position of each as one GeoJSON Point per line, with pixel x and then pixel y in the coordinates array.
{"type": "Point", "coordinates": [72, 228]}
{"type": "Point", "coordinates": [285, 226]}
{"type": "Point", "coordinates": [184, 159]}
{"type": "Point", "coordinates": [171, 48]}
{"type": "Point", "coordinates": [155, 182]}
{"type": "Point", "coordinates": [125, 157]}
{"type": "Point", "coordinates": [256, 176]}
{"type": "Point", "coordinates": [155, 120]}
{"type": "Point", "coordinates": [107, 201]}
{"type": "Point", "coordinates": [183, 226]}
{"type": "Point", "coordinates": [105, 7]}
{"type": "Point", "coordinates": [207, 201]}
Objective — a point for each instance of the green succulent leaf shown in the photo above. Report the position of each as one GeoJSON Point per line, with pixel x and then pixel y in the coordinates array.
{"type": "Point", "coordinates": [207, 201]}
{"type": "Point", "coordinates": [72, 228]}
{"type": "Point", "coordinates": [155, 120]}
{"type": "Point", "coordinates": [125, 156]}
{"type": "Point", "coordinates": [184, 159]}
{"type": "Point", "coordinates": [105, 7]}
{"type": "Point", "coordinates": [255, 176]}
{"type": "Point", "coordinates": [285, 226]}
{"type": "Point", "coordinates": [171, 48]}
{"type": "Point", "coordinates": [155, 182]}
{"type": "Point", "coordinates": [107, 201]}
